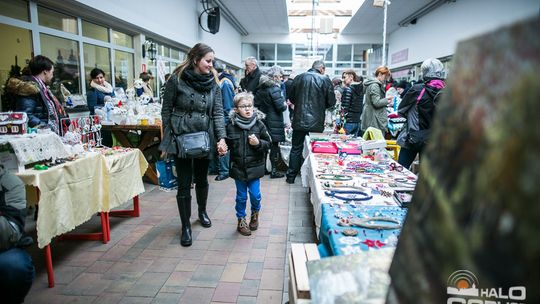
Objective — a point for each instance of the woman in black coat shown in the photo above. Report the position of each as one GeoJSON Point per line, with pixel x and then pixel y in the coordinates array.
{"type": "Point", "coordinates": [270, 101]}
{"type": "Point", "coordinates": [192, 103]}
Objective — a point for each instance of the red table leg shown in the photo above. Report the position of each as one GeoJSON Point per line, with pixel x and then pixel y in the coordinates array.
{"type": "Point", "coordinates": [129, 213]}
{"type": "Point", "coordinates": [48, 264]}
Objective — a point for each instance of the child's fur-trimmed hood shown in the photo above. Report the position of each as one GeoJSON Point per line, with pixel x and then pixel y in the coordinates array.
{"type": "Point", "coordinates": [260, 115]}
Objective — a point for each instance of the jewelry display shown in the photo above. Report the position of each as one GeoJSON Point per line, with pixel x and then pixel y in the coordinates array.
{"type": "Point", "coordinates": [370, 223]}
{"type": "Point", "coordinates": [83, 130]}
{"type": "Point", "coordinates": [338, 177]}
{"type": "Point", "coordinates": [353, 195]}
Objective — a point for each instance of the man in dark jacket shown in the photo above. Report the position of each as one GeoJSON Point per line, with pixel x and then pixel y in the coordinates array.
{"type": "Point", "coordinates": [312, 93]}
{"type": "Point", "coordinates": [16, 269]}
{"type": "Point", "coordinates": [250, 82]}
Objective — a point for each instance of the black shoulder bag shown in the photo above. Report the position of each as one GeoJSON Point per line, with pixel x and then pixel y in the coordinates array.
{"type": "Point", "coordinates": [194, 145]}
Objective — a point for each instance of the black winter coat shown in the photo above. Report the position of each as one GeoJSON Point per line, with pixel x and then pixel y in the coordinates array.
{"type": "Point", "coordinates": [247, 161]}
{"type": "Point", "coordinates": [269, 100]}
{"type": "Point", "coordinates": [352, 102]}
{"type": "Point", "coordinates": [186, 110]}
{"type": "Point", "coordinates": [251, 81]}
{"type": "Point", "coordinates": [30, 100]}
{"type": "Point", "coordinates": [311, 94]}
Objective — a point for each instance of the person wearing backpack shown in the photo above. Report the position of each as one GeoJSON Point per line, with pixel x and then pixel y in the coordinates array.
{"type": "Point", "coordinates": [418, 106]}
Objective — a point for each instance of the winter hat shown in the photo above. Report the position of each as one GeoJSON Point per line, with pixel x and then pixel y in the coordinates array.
{"type": "Point", "coordinates": [433, 68]}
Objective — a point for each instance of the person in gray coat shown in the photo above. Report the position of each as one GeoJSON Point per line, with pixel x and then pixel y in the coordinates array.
{"type": "Point", "coordinates": [375, 102]}
{"type": "Point", "coordinates": [192, 103]}
{"type": "Point", "coordinates": [17, 271]}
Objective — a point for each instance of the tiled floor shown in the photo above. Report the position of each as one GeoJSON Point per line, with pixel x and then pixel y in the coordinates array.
{"type": "Point", "coordinates": [144, 262]}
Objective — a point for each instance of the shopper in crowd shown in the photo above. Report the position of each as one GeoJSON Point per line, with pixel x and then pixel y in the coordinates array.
{"type": "Point", "coordinates": [418, 106]}
{"type": "Point", "coordinates": [270, 101]}
{"type": "Point", "coordinates": [351, 101]}
{"type": "Point", "coordinates": [16, 268]}
{"type": "Point", "coordinates": [147, 88]}
{"type": "Point", "coordinates": [288, 87]}
{"type": "Point", "coordinates": [220, 165]}
{"type": "Point", "coordinates": [403, 87]}
{"type": "Point", "coordinates": [248, 140]}
{"type": "Point", "coordinates": [34, 97]}
{"type": "Point", "coordinates": [312, 93]}
{"type": "Point", "coordinates": [251, 80]}
{"type": "Point", "coordinates": [375, 103]}
{"type": "Point", "coordinates": [95, 97]}
{"type": "Point", "coordinates": [99, 88]}
{"type": "Point", "coordinates": [192, 103]}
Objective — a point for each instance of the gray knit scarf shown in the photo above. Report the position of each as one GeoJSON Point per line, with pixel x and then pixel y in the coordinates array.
{"type": "Point", "coordinates": [245, 123]}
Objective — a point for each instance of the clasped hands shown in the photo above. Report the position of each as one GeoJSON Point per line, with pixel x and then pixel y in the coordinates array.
{"type": "Point", "coordinates": [222, 147]}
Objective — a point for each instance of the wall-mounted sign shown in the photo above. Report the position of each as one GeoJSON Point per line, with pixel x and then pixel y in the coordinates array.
{"type": "Point", "coordinates": [400, 56]}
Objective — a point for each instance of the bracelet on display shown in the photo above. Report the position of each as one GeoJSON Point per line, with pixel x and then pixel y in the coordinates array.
{"type": "Point", "coordinates": [366, 223]}
{"type": "Point", "coordinates": [352, 197]}
{"type": "Point", "coordinates": [339, 177]}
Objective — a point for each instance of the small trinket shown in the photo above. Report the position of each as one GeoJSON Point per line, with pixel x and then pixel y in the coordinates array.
{"type": "Point", "coordinates": [350, 232]}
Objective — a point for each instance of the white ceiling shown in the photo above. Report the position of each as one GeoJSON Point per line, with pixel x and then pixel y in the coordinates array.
{"type": "Point", "coordinates": [270, 16]}
{"type": "Point", "coordinates": [369, 19]}
{"type": "Point", "coordinates": [260, 16]}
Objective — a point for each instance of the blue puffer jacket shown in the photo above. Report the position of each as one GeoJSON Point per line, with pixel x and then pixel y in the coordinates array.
{"type": "Point", "coordinates": [95, 98]}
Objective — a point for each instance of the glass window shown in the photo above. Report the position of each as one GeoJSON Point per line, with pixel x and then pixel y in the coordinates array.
{"type": "Point", "coordinates": [267, 52]}
{"type": "Point", "coordinates": [285, 64]}
{"type": "Point", "coordinates": [328, 54]}
{"type": "Point", "coordinates": [95, 31]}
{"type": "Point", "coordinates": [65, 54]}
{"type": "Point", "coordinates": [284, 52]}
{"type": "Point", "coordinates": [56, 20]}
{"type": "Point", "coordinates": [175, 54]}
{"type": "Point", "coordinates": [122, 39]}
{"type": "Point", "coordinates": [123, 69]}
{"type": "Point", "coordinates": [14, 56]}
{"type": "Point", "coordinates": [163, 51]}
{"type": "Point", "coordinates": [344, 52]}
{"type": "Point", "coordinates": [96, 57]}
{"type": "Point", "coordinates": [249, 50]}
{"type": "Point", "coordinates": [358, 54]}
{"type": "Point", "coordinates": [15, 9]}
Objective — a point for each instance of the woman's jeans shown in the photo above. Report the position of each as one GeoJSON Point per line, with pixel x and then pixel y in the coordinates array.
{"type": "Point", "coordinates": [16, 275]}
{"type": "Point", "coordinates": [242, 188]}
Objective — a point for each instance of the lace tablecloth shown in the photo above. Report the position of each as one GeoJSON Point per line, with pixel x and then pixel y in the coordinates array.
{"type": "Point", "coordinates": [30, 148]}
{"type": "Point", "coordinates": [71, 193]}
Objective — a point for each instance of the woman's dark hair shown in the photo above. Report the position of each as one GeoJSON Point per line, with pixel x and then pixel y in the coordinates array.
{"type": "Point", "coordinates": [95, 73]}
{"type": "Point", "coordinates": [39, 64]}
{"type": "Point", "coordinates": [197, 52]}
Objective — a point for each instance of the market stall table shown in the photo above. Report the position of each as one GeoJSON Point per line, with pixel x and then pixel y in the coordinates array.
{"type": "Point", "coordinates": [147, 142]}
{"type": "Point", "coordinates": [71, 193]}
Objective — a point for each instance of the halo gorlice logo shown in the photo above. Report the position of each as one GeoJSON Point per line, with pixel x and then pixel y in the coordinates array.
{"type": "Point", "coordinates": [462, 288]}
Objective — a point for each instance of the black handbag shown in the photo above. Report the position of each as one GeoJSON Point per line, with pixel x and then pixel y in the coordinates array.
{"type": "Point", "coordinates": [193, 145]}
{"type": "Point", "coordinates": [418, 138]}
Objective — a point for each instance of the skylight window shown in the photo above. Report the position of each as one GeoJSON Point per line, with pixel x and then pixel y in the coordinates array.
{"type": "Point", "coordinates": [320, 16]}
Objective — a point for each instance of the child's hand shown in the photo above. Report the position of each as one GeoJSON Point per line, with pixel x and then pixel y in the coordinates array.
{"type": "Point", "coordinates": [253, 140]}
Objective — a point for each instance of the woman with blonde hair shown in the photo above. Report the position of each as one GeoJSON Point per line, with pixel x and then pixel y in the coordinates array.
{"type": "Point", "coordinates": [192, 103]}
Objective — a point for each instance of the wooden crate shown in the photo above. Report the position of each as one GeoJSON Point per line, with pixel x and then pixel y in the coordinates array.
{"type": "Point", "coordinates": [298, 275]}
